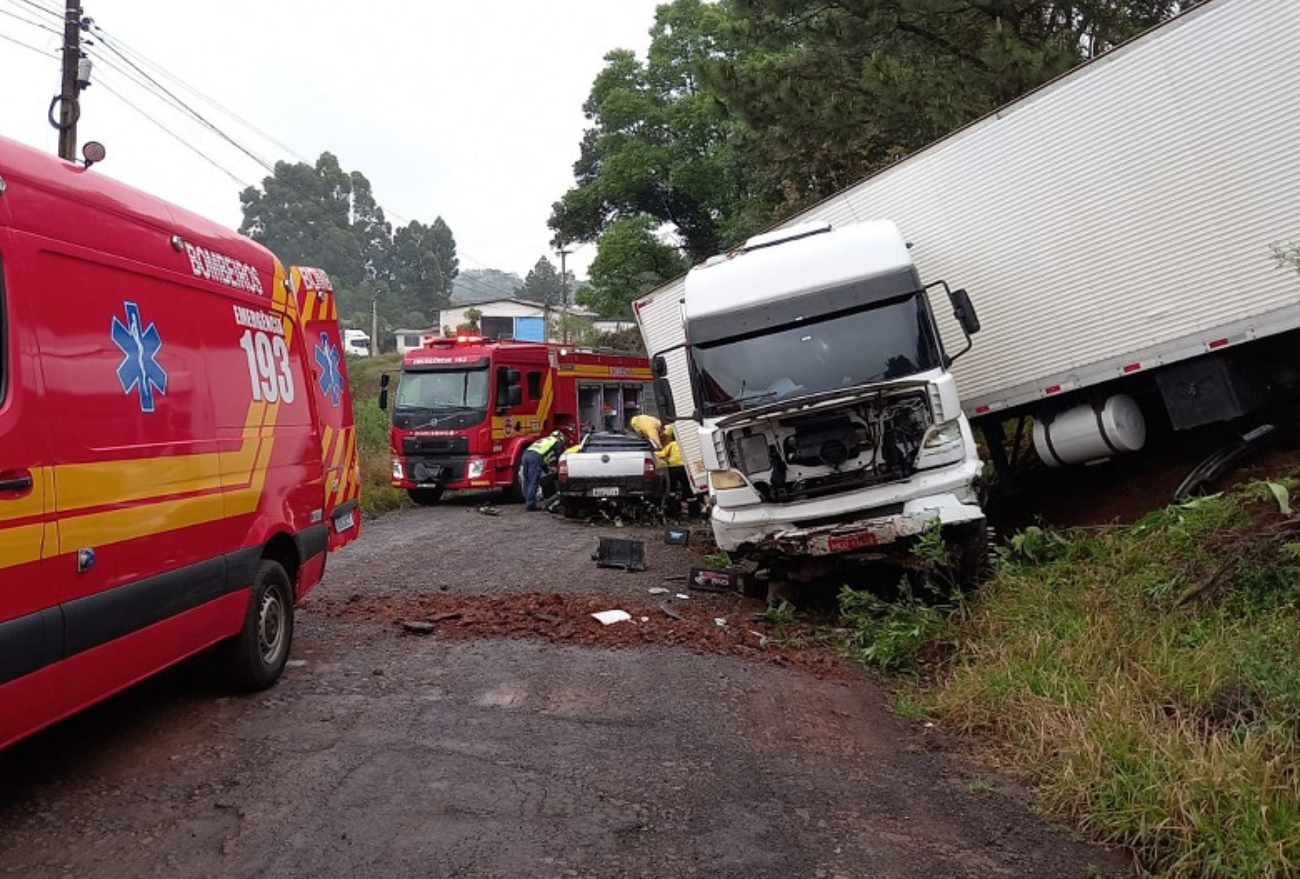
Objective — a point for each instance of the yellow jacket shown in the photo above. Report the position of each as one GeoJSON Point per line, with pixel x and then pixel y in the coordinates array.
{"type": "Point", "coordinates": [649, 427]}
{"type": "Point", "coordinates": [670, 454]}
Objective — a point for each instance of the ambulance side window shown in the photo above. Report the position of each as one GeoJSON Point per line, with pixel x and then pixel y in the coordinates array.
{"type": "Point", "coordinates": [534, 386]}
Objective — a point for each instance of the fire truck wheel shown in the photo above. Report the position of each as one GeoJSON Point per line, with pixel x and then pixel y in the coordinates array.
{"type": "Point", "coordinates": [425, 497]}
{"type": "Point", "coordinates": [514, 492]}
{"type": "Point", "coordinates": [254, 659]}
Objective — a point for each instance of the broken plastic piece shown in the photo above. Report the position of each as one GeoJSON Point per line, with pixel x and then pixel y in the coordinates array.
{"type": "Point", "coordinates": [617, 552]}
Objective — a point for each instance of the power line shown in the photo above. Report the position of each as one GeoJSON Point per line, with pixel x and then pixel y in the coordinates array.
{"type": "Point", "coordinates": [165, 74]}
{"type": "Point", "coordinates": [198, 152]}
{"type": "Point", "coordinates": [57, 13]}
{"type": "Point", "coordinates": [188, 109]}
{"type": "Point", "coordinates": [25, 20]}
{"type": "Point", "coordinates": [8, 39]}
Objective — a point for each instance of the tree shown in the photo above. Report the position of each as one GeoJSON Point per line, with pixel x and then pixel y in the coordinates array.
{"type": "Point", "coordinates": [830, 93]}
{"type": "Point", "coordinates": [421, 264]}
{"type": "Point", "coordinates": [656, 147]}
{"type": "Point", "coordinates": [631, 260]}
{"type": "Point", "coordinates": [325, 217]}
{"type": "Point", "coordinates": [318, 216]}
{"type": "Point", "coordinates": [543, 285]}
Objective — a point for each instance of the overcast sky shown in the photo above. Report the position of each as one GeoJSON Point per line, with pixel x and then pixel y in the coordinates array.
{"type": "Point", "coordinates": [468, 110]}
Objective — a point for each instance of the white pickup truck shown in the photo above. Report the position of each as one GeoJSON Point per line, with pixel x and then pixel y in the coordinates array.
{"type": "Point", "coordinates": [612, 466]}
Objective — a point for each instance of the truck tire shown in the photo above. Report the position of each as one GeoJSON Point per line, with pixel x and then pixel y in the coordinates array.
{"type": "Point", "coordinates": [425, 497]}
{"type": "Point", "coordinates": [514, 492]}
{"type": "Point", "coordinates": [255, 658]}
{"type": "Point", "coordinates": [968, 550]}
{"type": "Point", "coordinates": [573, 507]}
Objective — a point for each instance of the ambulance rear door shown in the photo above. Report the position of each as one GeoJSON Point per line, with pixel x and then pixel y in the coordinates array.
{"type": "Point", "coordinates": [332, 399]}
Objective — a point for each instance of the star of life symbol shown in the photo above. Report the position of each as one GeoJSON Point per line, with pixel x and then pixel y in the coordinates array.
{"type": "Point", "coordinates": [139, 370]}
{"type": "Point", "coordinates": [331, 379]}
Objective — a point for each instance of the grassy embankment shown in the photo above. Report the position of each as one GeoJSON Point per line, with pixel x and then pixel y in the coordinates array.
{"type": "Point", "coordinates": [377, 495]}
{"type": "Point", "coordinates": [1147, 678]}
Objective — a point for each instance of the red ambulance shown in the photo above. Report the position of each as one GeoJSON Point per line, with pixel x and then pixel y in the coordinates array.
{"type": "Point", "coordinates": [177, 453]}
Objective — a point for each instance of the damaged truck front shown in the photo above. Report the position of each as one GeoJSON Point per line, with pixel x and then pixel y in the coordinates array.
{"type": "Point", "coordinates": [830, 425]}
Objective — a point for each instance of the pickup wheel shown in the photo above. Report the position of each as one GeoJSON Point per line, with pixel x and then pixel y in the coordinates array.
{"type": "Point", "coordinates": [573, 507]}
{"type": "Point", "coordinates": [255, 658]}
{"type": "Point", "coordinates": [425, 497]}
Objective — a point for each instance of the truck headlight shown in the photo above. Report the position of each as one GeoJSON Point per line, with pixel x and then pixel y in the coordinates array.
{"type": "Point", "coordinates": [943, 444]}
{"type": "Point", "coordinates": [398, 473]}
{"type": "Point", "coordinates": [720, 480]}
{"type": "Point", "coordinates": [476, 469]}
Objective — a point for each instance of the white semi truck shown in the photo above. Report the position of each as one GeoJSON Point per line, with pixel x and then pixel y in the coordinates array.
{"type": "Point", "coordinates": [1119, 230]}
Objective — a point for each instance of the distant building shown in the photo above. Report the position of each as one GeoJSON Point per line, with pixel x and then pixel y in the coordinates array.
{"type": "Point", "coordinates": [509, 318]}
{"type": "Point", "coordinates": [409, 339]}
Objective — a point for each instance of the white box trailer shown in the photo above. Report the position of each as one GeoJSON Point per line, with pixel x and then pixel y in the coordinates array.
{"type": "Point", "coordinates": [1117, 221]}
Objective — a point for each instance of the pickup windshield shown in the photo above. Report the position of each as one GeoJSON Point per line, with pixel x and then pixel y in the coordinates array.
{"type": "Point", "coordinates": [442, 391]}
{"type": "Point", "coordinates": [885, 340]}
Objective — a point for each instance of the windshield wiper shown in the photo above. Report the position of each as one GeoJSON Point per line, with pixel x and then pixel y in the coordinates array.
{"type": "Point", "coordinates": [756, 395]}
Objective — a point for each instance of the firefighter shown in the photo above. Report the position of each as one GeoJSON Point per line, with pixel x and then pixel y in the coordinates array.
{"type": "Point", "coordinates": [679, 487]}
{"type": "Point", "coordinates": [649, 427]}
{"type": "Point", "coordinates": [538, 459]}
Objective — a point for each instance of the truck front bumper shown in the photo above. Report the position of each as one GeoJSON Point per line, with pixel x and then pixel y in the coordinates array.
{"type": "Point", "coordinates": [853, 522]}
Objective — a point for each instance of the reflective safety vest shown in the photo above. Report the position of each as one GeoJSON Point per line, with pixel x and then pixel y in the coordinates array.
{"type": "Point", "coordinates": [548, 447]}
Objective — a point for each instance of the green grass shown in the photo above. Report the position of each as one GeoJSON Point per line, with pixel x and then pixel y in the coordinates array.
{"type": "Point", "coordinates": [377, 494]}
{"type": "Point", "coordinates": [1147, 678]}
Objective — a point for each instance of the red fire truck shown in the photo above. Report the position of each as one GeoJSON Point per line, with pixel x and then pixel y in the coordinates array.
{"type": "Point", "coordinates": [177, 452]}
{"type": "Point", "coordinates": [466, 408]}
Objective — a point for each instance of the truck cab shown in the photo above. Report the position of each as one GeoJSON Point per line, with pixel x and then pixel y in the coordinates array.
{"type": "Point", "coordinates": [829, 421]}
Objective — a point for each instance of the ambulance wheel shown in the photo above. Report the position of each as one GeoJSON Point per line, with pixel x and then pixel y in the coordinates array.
{"type": "Point", "coordinates": [255, 658]}
{"type": "Point", "coordinates": [425, 497]}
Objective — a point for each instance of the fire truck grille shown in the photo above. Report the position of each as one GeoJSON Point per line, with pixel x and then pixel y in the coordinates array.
{"type": "Point", "coordinates": [435, 445]}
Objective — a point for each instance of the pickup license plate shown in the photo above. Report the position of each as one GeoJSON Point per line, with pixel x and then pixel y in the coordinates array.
{"type": "Point", "coordinates": [606, 491]}
{"type": "Point", "coordinates": [344, 522]}
{"type": "Point", "coordinates": [846, 542]}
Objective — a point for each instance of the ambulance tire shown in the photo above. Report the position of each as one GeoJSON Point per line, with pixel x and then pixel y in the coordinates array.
{"type": "Point", "coordinates": [255, 658]}
{"type": "Point", "coordinates": [425, 497]}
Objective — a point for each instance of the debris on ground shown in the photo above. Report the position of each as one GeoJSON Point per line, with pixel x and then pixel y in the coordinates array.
{"type": "Point", "coordinates": [418, 627]}
{"type": "Point", "coordinates": [618, 552]}
{"type": "Point", "coordinates": [488, 510]}
{"type": "Point", "coordinates": [609, 617]}
{"type": "Point", "coordinates": [564, 618]}
{"type": "Point", "coordinates": [657, 590]}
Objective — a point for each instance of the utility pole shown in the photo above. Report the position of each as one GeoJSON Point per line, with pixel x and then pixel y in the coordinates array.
{"type": "Point", "coordinates": [68, 97]}
{"type": "Point", "coordinates": [374, 326]}
{"type": "Point", "coordinates": [564, 293]}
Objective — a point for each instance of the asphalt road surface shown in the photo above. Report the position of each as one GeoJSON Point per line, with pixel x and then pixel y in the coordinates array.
{"type": "Point", "coordinates": [519, 739]}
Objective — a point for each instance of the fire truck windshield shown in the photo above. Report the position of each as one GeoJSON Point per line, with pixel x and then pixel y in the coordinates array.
{"type": "Point", "coordinates": [434, 394]}
{"type": "Point", "coordinates": [886, 340]}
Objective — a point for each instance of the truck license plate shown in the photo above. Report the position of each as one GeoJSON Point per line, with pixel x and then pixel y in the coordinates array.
{"type": "Point", "coordinates": [846, 542]}
{"type": "Point", "coordinates": [605, 491]}
{"type": "Point", "coordinates": [344, 522]}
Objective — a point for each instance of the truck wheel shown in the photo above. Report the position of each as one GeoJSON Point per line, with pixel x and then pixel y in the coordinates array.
{"type": "Point", "coordinates": [254, 659]}
{"type": "Point", "coordinates": [426, 497]}
{"type": "Point", "coordinates": [514, 492]}
{"type": "Point", "coordinates": [572, 507]}
{"type": "Point", "coordinates": [968, 549]}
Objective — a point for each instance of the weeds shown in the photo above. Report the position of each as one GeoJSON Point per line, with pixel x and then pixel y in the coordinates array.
{"type": "Point", "coordinates": [1148, 675]}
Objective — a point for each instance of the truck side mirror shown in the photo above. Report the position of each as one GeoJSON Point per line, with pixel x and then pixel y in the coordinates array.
{"type": "Point", "coordinates": [383, 391]}
{"type": "Point", "coordinates": [664, 397]}
{"type": "Point", "coordinates": [964, 312]}
{"type": "Point", "coordinates": [658, 366]}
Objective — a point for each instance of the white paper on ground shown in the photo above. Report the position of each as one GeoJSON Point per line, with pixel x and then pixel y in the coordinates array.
{"type": "Point", "coordinates": [609, 617]}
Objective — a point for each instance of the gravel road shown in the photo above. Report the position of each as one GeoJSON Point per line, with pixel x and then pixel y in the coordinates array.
{"type": "Point", "coordinates": [520, 738]}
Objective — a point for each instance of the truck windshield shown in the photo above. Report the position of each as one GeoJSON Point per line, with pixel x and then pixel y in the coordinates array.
{"type": "Point", "coordinates": [885, 340]}
{"type": "Point", "coordinates": [442, 390]}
